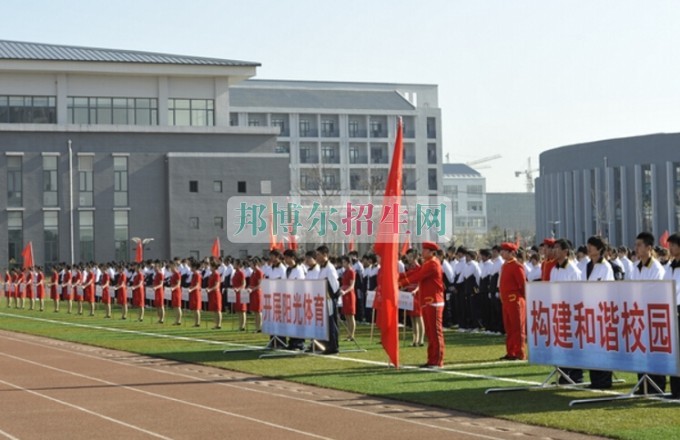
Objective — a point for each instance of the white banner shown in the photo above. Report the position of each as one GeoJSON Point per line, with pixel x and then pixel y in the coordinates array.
{"type": "Point", "coordinates": [231, 296]}
{"type": "Point", "coordinates": [295, 308]}
{"type": "Point", "coordinates": [616, 325]}
{"type": "Point", "coordinates": [405, 300]}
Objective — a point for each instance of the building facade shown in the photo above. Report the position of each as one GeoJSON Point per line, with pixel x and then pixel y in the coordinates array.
{"type": "Point", "coordinates": [467, 189]}
{"type": "Point", "coordinates": [510, 215]}
{"type": "Point", "coordinates": [616, 188]}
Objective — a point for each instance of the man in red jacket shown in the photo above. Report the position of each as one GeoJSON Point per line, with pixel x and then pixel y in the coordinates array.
{"type": "Point", "coordinates": [512, 287]}
{"type": "Point", "coordinates": [431, 291]}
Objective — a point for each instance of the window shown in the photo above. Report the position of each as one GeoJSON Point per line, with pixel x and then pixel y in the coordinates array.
{"type": "Point", "coordinates": [376, 129]}
{"type": "Point", "coordinates": [305, 127]}
{"type": "Point", "coordinates": [121, 235]}
{"type": "Point", "coordinates": [409, 153]}
{"type": "Point", "coordinates": [241, 187]}
{"type": "Point", "coordinates": [193, 186]}
{"type": "Point", "coordinates": [195, 255]}
{"type": "Point", "coordinates": [217, 186]}
{"type": "Point", "coordinates": [50, 181]}
{"type": "Point", "coordinates": [432, 179]}
{"type": "Point", "coordinates": [15, 238]}
{"type": "Point", "coordinates": [328, 128]}
{"type": "Point", "coordinates": [282, 148]}
{"type": "Point", "coordinates": [233, 119]}
{"type": "Point", "coordinates": [86, 235]}
{"type": "Point", "coordinates": [647, 203]}
{"type": "Point", "coordinates": [193, 222]}
{"type": "Point", "coordinates": [219, 222]}
{"type": "Point", "coordinates": [191, 112]}
{"type": "Point", "coordinates": [14, 181]}
{"type": "Point", "coordinates": [353, 128]}
{"type": "Point", "coordinates": [51, 236]}
{"type": "Point", "coordinates": [378, 154]}
{"type": "Point", "coordinates": [475, 206]}
{"type": "Point", "coordinates": [106, 110]}
{"type": "Point", "coordinates": [475, 190]}
{"type": "Point", "coordinates": [329, 154]}
{"type": "Point", "coordinates": [431, 153]}
{"type": "Point", "coordinates": [431, 128]}
{"type": "Point", "coordinates": [280, 124]}
{"type": "Point", "coordinates": [120, 181]}
{"type": "Point", "coordinates": [86, 181]}
{"type": "Point", "coordinates": [28, 109]}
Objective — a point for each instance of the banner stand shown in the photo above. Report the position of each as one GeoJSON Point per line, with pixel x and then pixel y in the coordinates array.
{"type": "Point", "coordinates": [316, 348]}
{"type": "Point", "coordinates": [558, 374]}
{"type": "Point", "coordinates": [643, 384]}
{"type": "Point", "coordinates": [358, 348]}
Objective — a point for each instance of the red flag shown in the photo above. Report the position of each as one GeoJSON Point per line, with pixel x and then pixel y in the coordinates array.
{"type": "Point", "coordinates": [27, 255]}
{"type": "Point", "coordinates": [387, 247]}
{"type": "Point", "coordinates": [351, 244]}
{"type": "Point", "coordinates": [215, 251]}
{"type": "Point", "coordinates": [292, 242]}
{"type": "Point", "coordinates": [139, 253]}
{"type": "Point", "coordinates": [272, 238]}
{"type": "Point", "coordinates": [406, 246]}
{"type": "Point", "coordinates": [663, 240]}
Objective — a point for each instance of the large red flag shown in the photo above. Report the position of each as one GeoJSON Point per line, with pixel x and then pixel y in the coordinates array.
{"type": "Point", "coordinates": [139, 252]}
{"type": "Point", "coordinates": [387, 247]}
{"type": "Point", "coordinates": [272, 238]}
{"type": "Point", "coordinates": [27, 254]}
{"type": "Point", "coordinates": [663, 240]}
{"type": "Point", "coordinates": [215, 251]}
{"type": "Point", "coordinates": [351, 244]}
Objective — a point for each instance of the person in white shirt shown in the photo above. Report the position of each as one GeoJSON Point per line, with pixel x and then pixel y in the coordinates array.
{"type": "Point", "coordinates": [293, 272]}
{"type": "Point", "coordinates": [565, 270]}
{"type": "Point", "coordinates": [626, 264]}
{"type": "Point", "coordinates": [673, 273]}
{"type": "Point", "coordinates": [648, 268]}
{"type": "Point", "coordinates": [582, 258]}
{"type": "Point", "coordinates": [327, 271]}
{"type": "Point", "coordinates": [534, 273]}
{"type": "Point", "coordinates": [277, 270]}
{"type": "Point", "coordinates": [598, 269]}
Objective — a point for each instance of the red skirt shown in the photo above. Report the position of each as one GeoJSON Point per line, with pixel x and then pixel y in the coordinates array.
{"type": "Point", "coordinates": [158, 297]}
{"type": "Point", "coordinates": [215, 301]}
{"type": "Point", "coordinates": [238, 305]}
{"type": "Point", "coordinates": [138, 298]}
{"type": "Point", "coordinates": [121, 296]}
{"type": "Point", "coordinates": [417, 311]}
{"type": "Point", "coordinates": [89, 294]}
{"type": "Point", "coordinates": [106, 295]}
{"type": "Point", "coordinates": [195, 299]}
{"type": "Point", "coordinates": [66, 294]}
{"type": "Point", "coordinates": [40, 292]}
{"type": "Point", "coordinates": [255, 305]}
{"type": "Point", "coordinates": [78, 294]}
{"type": "Point", "coordinates": [176, 298]}
{"type": "Point", "coordinates": [349, 304]}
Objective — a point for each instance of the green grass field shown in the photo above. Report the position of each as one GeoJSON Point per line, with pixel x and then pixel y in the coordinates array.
{"type": "Point", "coordinates": [471, 361]}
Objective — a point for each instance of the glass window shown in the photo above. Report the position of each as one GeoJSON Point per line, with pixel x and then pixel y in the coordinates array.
{"type": "Point", "coordinates": [14, 181]}
{"type": "Point", "coordinates": [191, 112]}
{"type": "Point", "coordinates": [219, 222]}
{"type": "Point", "coordinates": [217, 186]}
{"type": "Point", "coordinates": [86, 181]}
{"type": "Point", "coordinates": [121, 234]}
{"type": "Point", "coordinates": [328, 128]}
{"type": "Point", "coordinates": [28, 109]}
{"type": "Point", "coordinates": [431, 128]}
{"type": "Point", "coordinates": [432, 179]}
{"type": "Point", "coordinates": [241, 187]}
{"type": "Point", "coordinates": [475, 190]}
{"type": "Point", "coordinates": [329, 154]}
{"type": "Point", "coordinates": [193, 222]}
{"type": "Point", "coordinates": [107, 110]}
{"type": "Point", "coordinates": [647, 202]}
{"type": "Point", "coordinates": [15, 238]}
{"type": "Point", "coordinates": [305, 127]}
{"type": "Point", "coordinates": [431, 153]}
{"type": "Point", "coordinates": [120, 181]}
{"type": "Point", "coordinates": [51, 236]}
{"type": "Point", "coordinates": [50, 181]}
{"type": "Point", "coordinates": [475, 206]}
{"type": "Point", "coordinates": [193, 186]}
{"type": "Point", "coordinates": [353, 128]}
{"type": "Point", "coordinates": [233, 119]}
{"type": "Point", "coordinates": [86, 235]}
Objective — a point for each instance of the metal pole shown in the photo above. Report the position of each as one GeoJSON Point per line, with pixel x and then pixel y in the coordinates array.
{"type": "Point", "coordinates": [70, 199]}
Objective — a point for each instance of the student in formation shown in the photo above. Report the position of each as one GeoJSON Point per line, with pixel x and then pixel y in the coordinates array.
{"type": "Point", "coordinates": [20, 284]}
{"type": "Point", "coordinates": [673, 273]}
{"type": "Point", "coordinates": [77, 283]}
{"type": "Point", "coordinates": [8, 288]}
{"type": "Point", "coordinates": [40, 288]}
{"type": "Point", "coordinates": [256, 296]}
{"type": "Point", "coordinates": [105, 282]}
{"type": "Point", "coordinates": [158, 287]}
{"type": "Point", "coordinates": [431, 291]}
{"type": "Point", "coordinates": [327, 272]}
{"type": "Point", "coordinates": [349, 300]}
{"type": "Point", "coordinates": [195, 294]}
{"type": "Point", "coordinates": [238, 283]}
{"type": "Point", "coordinates": [67, 288]}
{"type": "Point", "coordinates": [138, 291]}
{"type": "Point", "coordinates": [176, 293]}
{"type": "Point", "coordinates": [512, 290]}
{"type": "Point", "coordinates": [30, 288]}
{"type": "Point", "coordinates": [215, 294]}
{"type": "Point", "coordinates": [89, 288]}
{"type": "Point", "coordinates": [121, 291]}
{"type": "Point", "coordinates": [294, 271]}
{"type": "Point", "coordinates": [54, 287]}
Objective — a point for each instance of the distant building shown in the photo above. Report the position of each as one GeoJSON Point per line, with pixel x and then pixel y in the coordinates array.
{"type": "Point", "coordinates": [467, 189]}
{"type": "Point", "coordinates": [512, 213]}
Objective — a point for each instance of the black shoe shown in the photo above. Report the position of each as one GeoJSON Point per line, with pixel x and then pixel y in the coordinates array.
{"type": "Point", "coordinates": [327, 352]}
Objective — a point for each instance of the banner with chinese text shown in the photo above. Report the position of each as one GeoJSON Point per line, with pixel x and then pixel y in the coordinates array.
{"type": "Point", "coordinates": [623, 326]}
{"type": "Point", "coordinates": [295, 308]}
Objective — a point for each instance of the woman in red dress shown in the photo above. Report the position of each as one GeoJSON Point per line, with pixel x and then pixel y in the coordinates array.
{"type": "Point", "coordinates": [215, 294]}
{"type": "Point", "coordinates": [195, 297]}
{"type": "Point", "coordinates": [30, 288]}
{"type": "Point", "coordinates": [176, 293]}
{"type": "Point", "coordinates": [88, 286]}
{"type": "Point", "coordinates": [77, 284]}
{"type": "Point", "coordinates": [19, 289]}
{"type": "Point", "coordinates": [255, 305]}
{"type": "Point", "coordinates": [105, 282]}
{"type": "Point", "coordinates": [417, 323]}
{"type": "Point", "coordinates": [238, 283]}
{"type": "Point", "coordinates": [138, 296]}
{"type": "Point", "coordinates": [66, 290]}
{"type": "Point", "coordinates": [159, 292]}
{"type": "Point", "coordinates": [121, 291]}
{"type": "Point", "coordinates": [54, 287]}
{"type": "Point", "coordinates": [349, 299]}
{"type": "Point", "coordinates": [40, 288]}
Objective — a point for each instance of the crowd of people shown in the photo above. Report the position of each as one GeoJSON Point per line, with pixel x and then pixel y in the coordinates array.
{"type": "Point", "coordinates": [458, 288]}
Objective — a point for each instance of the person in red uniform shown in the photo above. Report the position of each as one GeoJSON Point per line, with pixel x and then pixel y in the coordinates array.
{"type": "Point", "coordinates": [105, 282]}
{"type": "Point", "coordinates": [512, 287]}
{"type": "Point", "coordinates": [20, 289]}
{"type": "Point", "coordinates": [550, 260]}
{"type": "Point", "coordinates": [66, 289]}
{"type": "Point", "coordinates": [77, 283]}
{"type": "Point", "coordinates": [238, 283]}
{"type": "Point", "coordinates": [54, 287]}
{"type": "Point", "coordinates": [195, 297]}
{"type": "Point", "coordinates": [138, 294]}
{"type": "Point", "coordinates": [349, 299]}
{"type": "Point", "coordinates": [159, 292]}
{"type": "Point", "coordinates": [30, 288]}
{"type": "Point", "coordinates": [121, 291]}
{"type": "Point", "coordinates": [431, 290]}
{"type": "Point", "coordinates": [215, 294]}
{"type": "Point", "coordinates": [176, 293]}
{"type": "Point", "coordinates": [256, 297]}
{"type": "Point", "coordinates": [88, 287]}
{"type": "Point", "coordinates": [40, 288]}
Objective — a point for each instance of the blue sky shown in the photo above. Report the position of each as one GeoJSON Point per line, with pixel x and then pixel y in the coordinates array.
{"type": "Point", "coordinates": [515, 77]}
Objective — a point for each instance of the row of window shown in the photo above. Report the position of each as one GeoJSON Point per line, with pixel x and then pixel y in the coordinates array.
{"type": "Point", "coordinates": [471, 190]}
{"type": "Point", "coordinates": [194, 223]}
{"type": "Point", "coordinates": [106, 110]}
{"type": "Point", "coordinates": [217, 186]}
{"type": "Point", "coordinates": [50, 184]}
{"type": "Point", "coordinates": [51, 236]}
{"type": "Point", "coordinates": [360, 180]}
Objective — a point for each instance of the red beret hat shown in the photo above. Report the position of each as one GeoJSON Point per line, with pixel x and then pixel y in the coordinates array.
{"type": "Point", "coordinates": [512, 247]}
{"type": "Point", "coordinates": [549, 242]}
{"type": "Point", "coordinates": [431, 245]}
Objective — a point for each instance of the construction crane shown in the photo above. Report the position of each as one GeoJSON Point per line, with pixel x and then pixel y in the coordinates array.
{"type": "Point", "coordinates": [529, 173]}
{"type": "Point", "coordinates": [483, 159]}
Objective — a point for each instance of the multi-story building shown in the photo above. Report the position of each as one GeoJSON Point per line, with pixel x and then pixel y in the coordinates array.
{"type": "Point", "coordinates": [467, 189]}
{"type": "Point", "coordinates": [340, 136]}
{"type": "Point", "coordinates": [511, 216]}
{"type": "Point", "coordinates": [98, 146]}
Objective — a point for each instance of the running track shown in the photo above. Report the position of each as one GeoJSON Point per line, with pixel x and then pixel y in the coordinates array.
{"type": "Point", "coordinates": [60, 390]}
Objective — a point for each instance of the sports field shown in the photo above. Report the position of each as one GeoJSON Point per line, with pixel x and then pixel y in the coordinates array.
{"type": "Point", "coordinates": [471, 368]}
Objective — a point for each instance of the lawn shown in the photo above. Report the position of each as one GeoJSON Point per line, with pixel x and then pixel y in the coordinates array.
{"type": "Point", "coordinates": [471, 368]}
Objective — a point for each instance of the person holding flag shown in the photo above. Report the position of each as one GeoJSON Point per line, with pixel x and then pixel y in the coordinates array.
{"type": "Point", "coordinates": [431, 291]}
